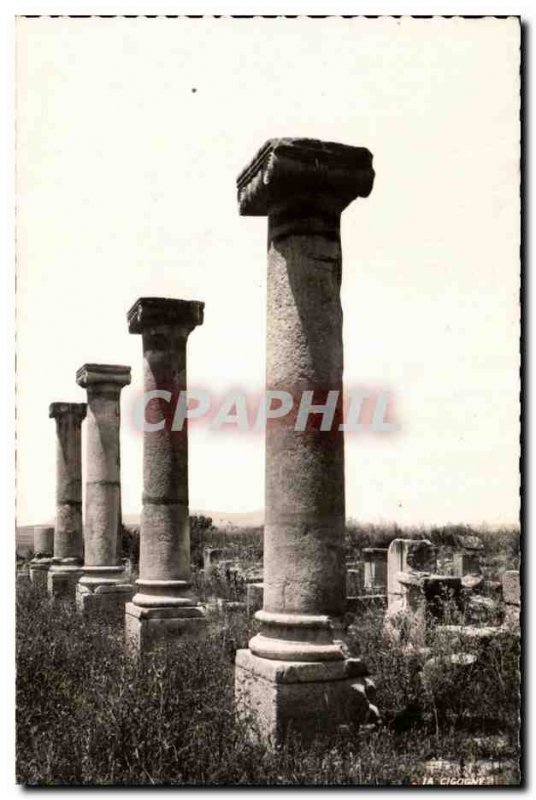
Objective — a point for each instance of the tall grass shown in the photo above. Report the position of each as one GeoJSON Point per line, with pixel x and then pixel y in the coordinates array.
{"type": "Point", "coordinates": [88, 715]}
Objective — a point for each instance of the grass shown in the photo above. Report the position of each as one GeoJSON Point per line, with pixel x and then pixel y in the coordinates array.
{"type": "Point", "coordinates": [86, 715]}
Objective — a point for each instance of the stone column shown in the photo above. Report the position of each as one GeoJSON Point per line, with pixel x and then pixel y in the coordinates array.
{"type": "Point", "coordinates": [103, 589]}
{"type": "Point", "coordinates": [296, 670]}
{"type": "Point", "coordinates": [68, 546]}
{"type": "Point", "coordinates": [43, 552]}
{"type": "Point", "coordinates": [164, 606]}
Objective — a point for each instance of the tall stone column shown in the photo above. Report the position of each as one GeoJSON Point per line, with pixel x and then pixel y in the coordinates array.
{"type": "Point", "coordinates": [103, 589]}
{"type": "Point", "coordinates": [43, 552]}
{"type": "Point", "coordinates": [297, 671]}
{"type": "Point", "coordinates": [68, 545]}
{"type": "Point", "coordinates": [164, 606]}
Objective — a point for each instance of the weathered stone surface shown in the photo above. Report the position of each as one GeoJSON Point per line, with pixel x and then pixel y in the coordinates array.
{"type": "Point", "coordinates": [165, 573]}
{"type": "Point", "coordinates": [466, 563]}
{"type": "Point", "coordinates": [354, 581]}
{"type": "Point", "coordinates": [306, 698]}
{"type": "Point", "coordinates": [44, 550]}
{"type": "Point", "coordinates": [470, 542]}
{"type": "Point", "coordinates": [482, 611]}
{"type": "Point", "coordinates": [512, 597]}
{"type": "Point", "coordinates": [375, 572]}
{"type": "Point", "coordinates": [106, 601]}
{"type": "Point", "coordinates": [325, 173]}
{"type": "Point", "coordinates": [227, 607]}
{"type": "Point", "coordinates": [416, 596]}
{"type": "Point", "coordinates": [68, 545]}
{"type": "Point", "coordinates": [146, 628]}
{"type": "Point", "coordinates": [410, 556]}
{"type": "Point", "coordinates": [103, 383]}
{"type": "Point", "coordinates": [62, 579]}
{"type": "Point", "coordinates": [511, 588]}
{"type": "Point", "coordinates": [211, 557]}
{"type": "Point", "coordinates": [366, 602]}
{"type": "Point", "coordinates": [302, 185]}
{"type": "Point", "coordinates": [254, 597]}
{"type": "Point", "coordinates": [39, 568]}
{"type": "Point", "coordinates": [470, 637]}
{"type": "Point", "coordinates": [43, 541]}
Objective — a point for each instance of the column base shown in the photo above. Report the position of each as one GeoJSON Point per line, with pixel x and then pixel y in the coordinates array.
{"type": "Point", "coordinates": [103, 601]}
{"type": "Point", "coordinates": [39, 568]}
{"type": "Point", "coordinates": [148, 627]}
{"type": "Point", "coordinates": [62, 580]}
{"type": "Point", "coordinates": [307, 698]}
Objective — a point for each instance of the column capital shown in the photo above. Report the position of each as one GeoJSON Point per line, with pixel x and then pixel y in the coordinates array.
{"type": "Point", "coordinates": [149, 312]}
{"type": "Point", "coordinates": [91, 374]}
{"type": "Point", "coordinates": [288, 168]}
{"type": "Point", "coordinates": [77, 410]}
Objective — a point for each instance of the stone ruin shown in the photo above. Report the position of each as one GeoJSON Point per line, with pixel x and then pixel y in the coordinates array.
{"type": "Point", "coordinates": [102, 587]}
{"type": "Point", "coordinates": [415, 592]}
{"type": "Point", "coordinates": [43, 552]}
{"type": "Point", "coordinates": [65, 569]}
{"type": "Point", "coordinates": [164, 605]}
{"type": "Point", "coordinates": [297, 671]}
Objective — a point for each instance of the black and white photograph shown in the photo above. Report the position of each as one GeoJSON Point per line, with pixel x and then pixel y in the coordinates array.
{"type": "Point", "coordinates": [268, 298]}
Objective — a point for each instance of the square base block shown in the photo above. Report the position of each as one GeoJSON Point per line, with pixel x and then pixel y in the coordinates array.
{"type": "Point", "coordinates": [146, 628]}
{"type": "Point", "coordinates": [39, 575]}
{"type": "Point", "coordinates": [278, 697]}
{"type": "Point", "coordinates": [106, 602]}
{"type": "Point", "coordinates": [62, 585]}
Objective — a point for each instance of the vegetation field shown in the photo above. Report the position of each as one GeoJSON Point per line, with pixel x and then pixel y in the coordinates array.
{"type": "Point", "coordinates": [86, 714]}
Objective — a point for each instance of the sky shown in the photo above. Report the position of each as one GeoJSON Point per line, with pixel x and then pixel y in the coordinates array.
{"type": "Point", "coordinates": [130, 136]}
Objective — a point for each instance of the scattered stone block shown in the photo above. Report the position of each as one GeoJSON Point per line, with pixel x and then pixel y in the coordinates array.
{"type": "Point", "coordinates": [512, 597]}
{"type": "Point", "coordinates": [354, 580]}
{"type": "Point", "coordinates": [481, 610]}
{"type": "Point", "coordinates": [366, 602]}
{"type": "Point", "coordinates": [211, 557]}
{"type": "Point", "coordinates": [375, 569]}
{"type": "Point", "coordinates": [466, 563]}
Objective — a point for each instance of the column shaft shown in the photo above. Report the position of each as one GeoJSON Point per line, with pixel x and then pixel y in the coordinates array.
{"type": "Point", "coordinates": [102, 587]}
{"type": "Point", "coordinates": [305, 514]}
{"type": "Point", "coordinates": [164, 605]}
{"type": "Point", "coordinates": [297, 672]}
{"type": "Point", "coordinates": [68, 542]}
{"type": "Point", "coordinates": [165, 533]}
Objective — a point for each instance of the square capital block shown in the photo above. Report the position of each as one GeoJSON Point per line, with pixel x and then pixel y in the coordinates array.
{"type": "Point", "coordinates": [94, 374]}
{"type": "Point", "coordinates": [290, 167]}
{"type": "Point", "coordinates": [150, 312]}
{"type": "Point", "coordinates": [75, 410]}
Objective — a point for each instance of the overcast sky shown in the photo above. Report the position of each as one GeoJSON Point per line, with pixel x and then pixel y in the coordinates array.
{"type": "Point", "coordinates": [130, 136]}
